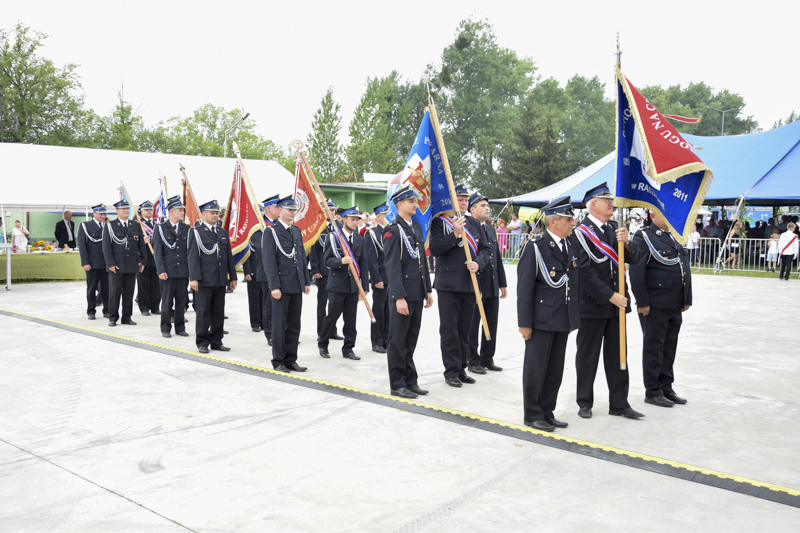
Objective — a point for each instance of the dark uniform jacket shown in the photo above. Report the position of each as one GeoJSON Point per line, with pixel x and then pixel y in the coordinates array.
{"type": "Point", "coordinates": [61, 232]}
{"type": "Point", "coordinates": [90, 244]}
{"type": "Point", "coordinates": [173, 261]}
{"type": "Point", "coordinates": [540, 306]}
{"type": "Point", "coordinates": [316, 257]}
{"type": "Point", "coordinates": [494, 275]}
{"type": "Point", "coordinates": [150, 260]}
{"type": "Point", "coordinates": [254, 265]}
{"type": "Point", "coordinates": [406, 277]}
{"type": "Point", "coordinates": [374, 241]}
{"type": "Point", "coordinates": [655, 284]}
{"type": "Point", "coordinates": [601, 280]}
{"type": "Point", "coordinates": [341, 278]}
{"type": "Point", "coordinates": [451, 272]}
{"type": "Point", "coordinates": [289, 275]}
{"type": "Point", "coordinates": [126, 257]}
{"type": "Point", "coordinates": [210, 270]}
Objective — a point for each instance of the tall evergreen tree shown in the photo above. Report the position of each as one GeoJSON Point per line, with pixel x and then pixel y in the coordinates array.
{"type": "Point", "coordinates": [324, 151]}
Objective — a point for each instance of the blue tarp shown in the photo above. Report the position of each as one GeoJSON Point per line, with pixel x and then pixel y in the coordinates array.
{"type": "Point", "coordinates": [764, 167]}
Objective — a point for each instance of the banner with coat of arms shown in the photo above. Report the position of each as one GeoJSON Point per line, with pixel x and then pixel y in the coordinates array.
{"type": "Point", "coordinates": [424, 171]}
{"type": "Point", "coordinates": [309, 217]}
{"type": "Point", "coordinates": [242, 217]}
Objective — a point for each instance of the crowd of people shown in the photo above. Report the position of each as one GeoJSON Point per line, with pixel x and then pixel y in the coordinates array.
{"type": "Point", "coordinates": [567, 281]}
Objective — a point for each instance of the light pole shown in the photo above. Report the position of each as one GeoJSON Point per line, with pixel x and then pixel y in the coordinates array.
{"type": "Point", "coordinates": [722, 130]}
{"type": "Point", "coordinates": [225, 142]}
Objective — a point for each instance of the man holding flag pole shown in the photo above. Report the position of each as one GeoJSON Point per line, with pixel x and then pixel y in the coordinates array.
{"type": "Point", "coordinates": [657, 169]}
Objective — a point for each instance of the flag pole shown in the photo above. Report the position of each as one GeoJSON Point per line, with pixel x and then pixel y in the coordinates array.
{"type": "Point", "coordinates": [247, 184]}
{"type": "Point", "coordinates": [623, 340]}
{"type": "Point", "coordinates": [328, 215]}
{"type": "Point", "coordinates": [457, 211]}
{"type": "Point", "coordinates": [188, 188]}
{"type": "Point", "coordinates": [137, 219]}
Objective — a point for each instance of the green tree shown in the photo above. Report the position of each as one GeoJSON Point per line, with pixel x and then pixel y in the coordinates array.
{"type": "Point", "coordinates": [42, 103]}
{"type": "Point", "coordinates": [122, 130]}
{"type": "Point", "coordinates": [203, 133]}
{"type": "Point", "coordinates": [589, 122]}
{"type": "Point", "coordinates": [793, 117]}
{"type": "Point", "coordinates": [693, 101]}
{"type": "Point", "coordinates": [372, 137]}
{"type": "Point", "coordinates": [478, 89]}
{"type": "Point", "coordinates": [325, 154]}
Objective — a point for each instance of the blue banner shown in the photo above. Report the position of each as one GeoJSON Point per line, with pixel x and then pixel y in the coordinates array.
{"type": "Point", "coordinates": [678, 201]}
{"type": "Point", "coordinates": [424, 171]}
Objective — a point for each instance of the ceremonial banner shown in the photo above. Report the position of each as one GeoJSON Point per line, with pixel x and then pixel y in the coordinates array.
{"type": "Point", "coordinates": [309, 217]}
{"type": "Point", "coordinates": [160, 206]}
{"type": "Point", "coordinates": [242, 216]}
{"type": "Point", "coordinates": [424, 171]}
{"type": "Point", "coordinates": [192, 208]}
{"type": "Point", "coordinates": [685, 119]}
{"type": "Point", "coordinates": [656, 168]}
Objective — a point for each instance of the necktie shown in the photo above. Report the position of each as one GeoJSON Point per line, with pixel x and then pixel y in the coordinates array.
{"type": "Point", "coordinates": [564, 251]}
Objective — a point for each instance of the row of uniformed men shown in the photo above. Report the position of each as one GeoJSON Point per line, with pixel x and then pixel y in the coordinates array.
{"type": "Point", "coordinates": [394, 258]}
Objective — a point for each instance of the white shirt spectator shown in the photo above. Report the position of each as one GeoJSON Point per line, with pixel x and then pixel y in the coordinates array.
{"type": "Point", "coordinates": [693, 242]}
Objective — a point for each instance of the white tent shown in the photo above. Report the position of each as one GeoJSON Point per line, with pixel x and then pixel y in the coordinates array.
{"type": "Point", "coordinates": [56, 178]}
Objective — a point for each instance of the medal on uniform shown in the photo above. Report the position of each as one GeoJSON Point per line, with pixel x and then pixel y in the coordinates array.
{"type": "Point", "coordinates": [552, 245]}
{"type": "Point", "coordinates": [574, 262]}
{"type": "Point", "coordinates": [552, 273]}
{"type": "Point", "coordinates": [658, 232]}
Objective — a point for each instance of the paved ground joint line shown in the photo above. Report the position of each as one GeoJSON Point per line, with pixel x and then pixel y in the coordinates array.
{"type": "Point", "coordinates": [733, 483]}
{"type": "Point", "coordinates": [48, 461]}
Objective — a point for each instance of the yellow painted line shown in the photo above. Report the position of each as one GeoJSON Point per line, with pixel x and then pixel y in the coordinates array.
{"type": "Point", "coordinates": [572, 440]}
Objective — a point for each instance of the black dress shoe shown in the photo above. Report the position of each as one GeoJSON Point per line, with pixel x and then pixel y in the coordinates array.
{"type": "Point", "coordinates": [282, 368]}
{"type": "Point", "coordinates": [540, 425]}
{"type": "Point", "coordinates": [337, 337]}
{"type": "Point", "coordinates": [182, 333]}
{"type": "Point", "coordinates": [156, 312]}
{"type": "Point", "coordinates": [466, 379]}
{"type": "Point", "coordinates": [555, 422]}
{"type": "Point", "coordinates": [379, 349]}
{"type": "Point", "coordinates": [476, 369]}
{"type": "Point", "coordinates": [493, 367]}
{"type": "Point", "coordinates": [585, 412]}
{"type": "Point", "coordinates": [627, 412]}
{"type": "Point", "coordinates": [324, 353]}
{"type": "Point", "coordinates": [269, 341]}
{"type": "Point", "coordinates": [674, 398]}
{"type": "Point", "coordinates": [351, 355]}
{"type": "Point", "coordinates": [106, 315]}
{"type": "Point", "coordinates": [660, 401]}
{"type": "Point", "coordinates": [112, 323]}
{"type": "Point", "coordinates": [403, 392]}
{"type": "Point", "coordinates": [145, 313]}
{"type": "Point", "coordinates": [224, 332]}
{"type": "Point", "coordinates": [256, 329]}
{"type": "Point", "coordinates": [129, 322]}
{"type": "Point", "coordinates": [296, 367]}
{"type": "Point", "coordinates": [223, 316]}
{"type": "Point", "coordinates": [90, 317]}
{"type": "Point", "coordinates": [166, 335]}
{"type": "Point", "coordinates": [453, 382]}
{"type": "Point", "coordinates": [221, 348]}
{"type": "Point", "coordinates": [417, 390]}
{"type": "Point", "coordinates": [202, 349]}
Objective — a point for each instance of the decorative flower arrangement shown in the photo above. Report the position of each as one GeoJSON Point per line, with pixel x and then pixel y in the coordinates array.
{"type": "Point", "coordinates": [41, 246]}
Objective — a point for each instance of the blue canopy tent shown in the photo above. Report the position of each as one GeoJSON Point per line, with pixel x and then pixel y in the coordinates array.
{"type": "Point", "coordinates": [763, 167]}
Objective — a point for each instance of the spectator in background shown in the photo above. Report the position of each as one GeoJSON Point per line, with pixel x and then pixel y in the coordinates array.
{"type": "Point", "coordinates": [502, 235]}
{"type": "Point", "coordinates": [515, 234]}
{"type": "Point", "coordinates": [528, 227]}
{"type": "Point", "coordinates": [732, 246]}
{"type": "Point", "coordinates": [771, 227]}
{"type": "Point", "coordinates": [2, 232]}
{"type": "Point", "coordinates": [788, 249]}
{"type": "Point", "coordinates": [65, 231]}
{"type": "Point", "coordinates": [712, 230]}
{"type": "Point", "coordinates": [19, 236]}
{"type": "Point", "coordinates": [693, 247]}
{"type": "Point", "coordinates": [772, 251]}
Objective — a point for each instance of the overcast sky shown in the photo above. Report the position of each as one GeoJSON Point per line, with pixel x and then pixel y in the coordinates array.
{"type": "Point", "coordinates": [276, 60]}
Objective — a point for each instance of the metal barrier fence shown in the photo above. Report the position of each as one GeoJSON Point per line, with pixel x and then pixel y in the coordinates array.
{"type": "Point", "coordinates": [510, 244]}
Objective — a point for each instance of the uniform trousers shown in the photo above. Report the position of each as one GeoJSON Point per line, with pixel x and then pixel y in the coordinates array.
{"type": "Point", "coordinates": [286, 316]}
{"type": "Point", "coordinates": [542, 372]}
{"type": "Point", "coordinates": [209, 304]}
{"type": "Point", "coordinates": [254, 303]}
{"type": "Point", "coordinates": [660, 329]}
{"type": "Point", "coordinates": [121, 286]}
{"type": "Point", "coordinates": [455, 321]}
{"type": "Point", "coordinates": [401, 343]}
{"type": "Point", "coordinates": [592, 333]}
{"type": "Point", "coordinates": [174, 300]}
{"type": "Point", "coordinates": [96, 278]}
{"type": "Point", "coordinates": [379, 331]}
{"type": "Point", "coordinates": [484, 357]}
{"type": "Point", "coordinates": [346, 306]}
{"type": "Point", "coordinates": [266, 308]}
{"type": "Point", "coordinates": [322, 305]}
{"type": "Point", "coordinates": [786, 265]}
{"type": "Point", "coordinates": [149, 293]}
